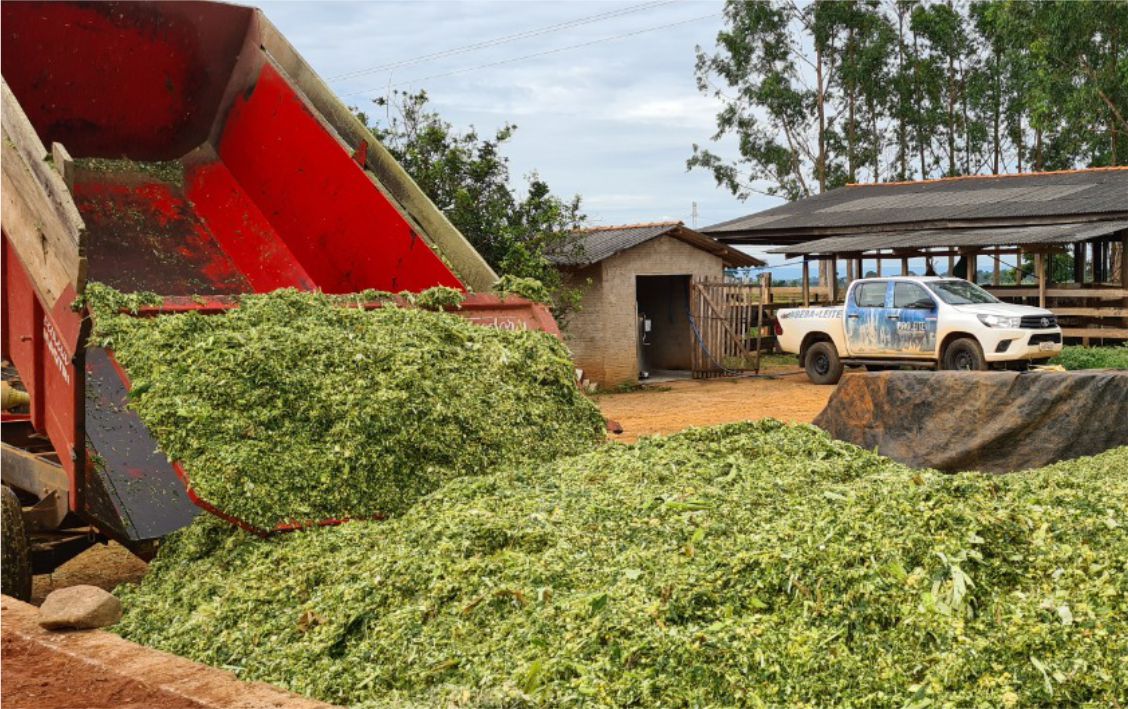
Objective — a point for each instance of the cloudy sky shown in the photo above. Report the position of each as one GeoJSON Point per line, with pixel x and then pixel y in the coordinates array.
{"type": "Point", "coordinates": [613, 120]}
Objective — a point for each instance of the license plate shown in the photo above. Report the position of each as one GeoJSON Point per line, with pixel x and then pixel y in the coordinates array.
{"type": "Point", "coordinates": [1046, 346]}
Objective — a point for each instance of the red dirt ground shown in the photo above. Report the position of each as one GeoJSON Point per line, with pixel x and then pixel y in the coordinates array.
{"type": "Point", "coordinates": [785, 394]}
{"type": "Point", "coordinates": [36, 678]}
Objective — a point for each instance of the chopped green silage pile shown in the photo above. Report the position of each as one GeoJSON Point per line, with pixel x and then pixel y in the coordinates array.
{"type": "Point", "coordinates": [742, 565]}
{"type": "Point", "coordinates": [1077, 357]}
{"type": "Point", "coordinates": [293, 407]}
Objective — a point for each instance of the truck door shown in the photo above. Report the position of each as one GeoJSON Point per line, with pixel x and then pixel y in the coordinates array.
{"type": "Point", "coordinates": [867, 329]}
{"type": "Point", "coordinates": [914, 320]}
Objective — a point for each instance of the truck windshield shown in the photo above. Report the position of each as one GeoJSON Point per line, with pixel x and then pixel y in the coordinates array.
{"type": "Point", "coordinates": [957, 292]}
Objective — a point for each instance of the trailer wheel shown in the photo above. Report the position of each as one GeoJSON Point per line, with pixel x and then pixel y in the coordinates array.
{"type": "Point", "coordinates": [964, 354]}
{"type": "Point", "coordinates": [822, 363]}
{"type": "Point", "coordinates": [15, 574]}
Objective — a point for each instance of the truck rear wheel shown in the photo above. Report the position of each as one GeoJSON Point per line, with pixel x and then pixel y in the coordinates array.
{"type": "Point", "coordinates": [964, 354]}
{"type": "Point", "coordinates": [15, 574]}
{"type": "Point", "coordinates": [822, 363]}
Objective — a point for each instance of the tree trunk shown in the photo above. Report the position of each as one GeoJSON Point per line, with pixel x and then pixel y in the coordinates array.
{"type": "Point", "coordinates": [1037, 150]}
{"type": "Point", "coordinates": [951, 116]}
{"type": "Point", "coordinates": [821, 168]}
{"type": "Point", "coordinates": [998, 110]}
{"type": "Point", "coordinates": [902, 129]}
{"type": "Point", "coordinates": [876, 141]}
{"type": "Point", "coordinates": [851, 90]}
{"type": "Point", "coordinates": [920, 113]}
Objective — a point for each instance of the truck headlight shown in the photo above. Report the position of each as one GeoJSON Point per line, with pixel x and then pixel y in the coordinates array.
{"type": "Point", "coordinates": [1011, 321]}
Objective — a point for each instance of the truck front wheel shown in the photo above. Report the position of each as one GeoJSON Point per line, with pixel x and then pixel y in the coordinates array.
{"type": "Point", "coordinates": [964, 354]}
{"type": "Point", "coordinates": [822, 363]}
{"type": "Point", "coordinates": [15, 578]}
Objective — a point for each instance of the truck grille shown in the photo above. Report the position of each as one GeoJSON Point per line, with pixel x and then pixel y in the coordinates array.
{"type": "Point", "coordinates": [1040, 337]}
{"type": "Point", "coordinates": [1038, 322]}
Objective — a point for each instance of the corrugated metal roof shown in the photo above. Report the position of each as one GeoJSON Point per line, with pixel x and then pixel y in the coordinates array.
{"type": "Point", "coordinates": [1009, 198]}
{"type": "Point", "coordinates": [925, 238]}
{"type": "Point", "coordinates": [600, 243]}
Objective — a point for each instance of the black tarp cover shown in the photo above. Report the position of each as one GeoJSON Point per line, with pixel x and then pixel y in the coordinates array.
{"type": "Point", "coordinates": [986, 421]}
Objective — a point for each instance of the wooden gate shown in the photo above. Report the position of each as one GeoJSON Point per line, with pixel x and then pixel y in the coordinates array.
{"type": "Point", "coordinates": [727, 321]}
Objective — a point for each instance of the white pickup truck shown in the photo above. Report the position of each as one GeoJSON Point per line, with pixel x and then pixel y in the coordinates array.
{"type": "Point", "coordinates": [928, 322]}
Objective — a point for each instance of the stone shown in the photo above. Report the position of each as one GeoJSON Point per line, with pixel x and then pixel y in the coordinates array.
{"type": "Point", "coordinates": [79, 607]}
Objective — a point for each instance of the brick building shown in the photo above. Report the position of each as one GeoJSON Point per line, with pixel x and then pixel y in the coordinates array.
{"type": "Point", "coordinates": [627, 273]}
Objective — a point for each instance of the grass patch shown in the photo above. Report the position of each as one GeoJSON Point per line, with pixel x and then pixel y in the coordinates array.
{"type": "Point", "coordinates": [1078, 357]}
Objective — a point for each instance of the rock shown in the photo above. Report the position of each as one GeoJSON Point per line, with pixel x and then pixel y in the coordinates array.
{"type": "Point", "coordinates": [79, 607]}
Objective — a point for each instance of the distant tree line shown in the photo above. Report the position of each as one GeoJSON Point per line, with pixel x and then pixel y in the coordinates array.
{"type": "Point", "coordinates": [825, 93]}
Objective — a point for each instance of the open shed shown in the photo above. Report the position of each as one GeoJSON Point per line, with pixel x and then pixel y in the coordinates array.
{"type": "Point", "coordinates": [634, 277]}
{"type": "Point", "coordinates": [1081, 214]}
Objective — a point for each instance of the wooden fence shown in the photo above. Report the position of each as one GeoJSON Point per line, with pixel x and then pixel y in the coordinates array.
{"type": "Point", "coordinates": [731, 325]}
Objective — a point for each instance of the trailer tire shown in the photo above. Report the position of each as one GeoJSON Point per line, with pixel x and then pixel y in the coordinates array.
{"type": "Point", "coordinates": [15, 574]}
{"type": "Point", "coordinates": [964, 354]}
{"type": "Point", "coordinates": [822, 363]}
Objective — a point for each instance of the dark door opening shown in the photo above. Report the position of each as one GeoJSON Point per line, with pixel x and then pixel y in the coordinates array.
{"type": "Point", "coordinates": [664, 348]}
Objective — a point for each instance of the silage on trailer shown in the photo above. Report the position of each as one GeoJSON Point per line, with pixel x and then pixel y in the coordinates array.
{"type": "Point", "coordinates": [295, 407]}
{"type": "Point", "coordinates": [742, 565]}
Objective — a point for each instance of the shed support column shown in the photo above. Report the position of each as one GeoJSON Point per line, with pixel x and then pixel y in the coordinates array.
{"type": "Point", "coordinates": [995, 275]}
{"type": "Point", "coordinates": [806, 282]}
{"type": "Point", "coordinates": [877, 261]}
{"type": "Point", "coordinates": [1018, 267]}
{"type": "Point", "coordinates": [904, 265]}
{"type": "Point", "coordinates": [972, 257]}
{"type": "Point", "coordinates": [1124, 262]}
{"type": "Point", "coordinates": [1079, 263]}
{"type": "Point", "coordinates": [832, 284]}
{"type": "Point", "coordinates": [1040, 267]}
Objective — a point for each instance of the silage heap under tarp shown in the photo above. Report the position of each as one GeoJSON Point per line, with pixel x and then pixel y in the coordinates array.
{"type": "Point", "coordinates": [296, 407]}
{"type": "Point", "coordinates": [743, 565]}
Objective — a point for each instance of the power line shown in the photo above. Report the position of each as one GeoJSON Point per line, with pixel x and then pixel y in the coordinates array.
{"type": "Point", "coordinates": [525, 34]}
{"type": "Point", "coordinates": [536, 54]}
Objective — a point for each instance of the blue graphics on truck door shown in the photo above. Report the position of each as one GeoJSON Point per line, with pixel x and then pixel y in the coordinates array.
{"type": "Point", "coordinates": [914, 314]}
{"type": "Point", "coordinates": [867, 327]}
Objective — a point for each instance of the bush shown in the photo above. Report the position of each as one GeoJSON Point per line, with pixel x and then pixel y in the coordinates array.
{"type": "Point", "coordinates": [1076, 357]}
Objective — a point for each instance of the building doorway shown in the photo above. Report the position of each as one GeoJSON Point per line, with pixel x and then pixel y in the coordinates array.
{"type": "Point", "coordinates": [664, 337]}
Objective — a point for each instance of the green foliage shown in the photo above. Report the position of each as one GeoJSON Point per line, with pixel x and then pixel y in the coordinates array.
{"type": "Point", "coordinates": [295, 407]}
{"type": "Point", "coordinates": [818, 94]}
{"type": "Point", "coordinates": [751, 564]}
{"type": "Point", "coordinates": [467, 177]}
{"type": "Point", "coordinates": [528, 288]}
{"type": "Point", "coordinates": [1076, 357]}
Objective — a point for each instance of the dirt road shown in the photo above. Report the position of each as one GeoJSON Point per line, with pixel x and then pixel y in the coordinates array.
{"type": "Point", "coordinates": [785, 394]}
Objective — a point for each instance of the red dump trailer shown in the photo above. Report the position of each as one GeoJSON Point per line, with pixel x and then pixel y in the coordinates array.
{"type": "Point", "coordinates": [183, 148]}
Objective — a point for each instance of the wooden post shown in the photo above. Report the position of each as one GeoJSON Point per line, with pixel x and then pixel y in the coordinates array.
{"type": "Point", "coordinates": [860, 268]}
{"type": "Point", "coordinates": [972, 257]}
{"type": "Point", "coordinates": [806, 282]}
{"type": "Point", "coordinates": [904, 265]}
{"type": "Point", "coordinates": [1124, 262]}
{"type": "Point", "coordinates": [1040, 266]}
{"type": "Point", "coordinates": [951, 263]}
{"type": "Point", "coordinates": [1018, 267]}
{"type": "Point", "coordinates": [765, 289]}
{"type": "Point", "coordinates": [832, 286]}
{"type": "Point", "coordinates": [1079, 263]}
{"type": "Point", "coordinates": [877, 262]}
{"type": "Point", "coordinates": [996, 276]}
